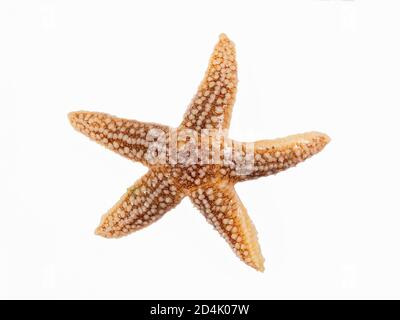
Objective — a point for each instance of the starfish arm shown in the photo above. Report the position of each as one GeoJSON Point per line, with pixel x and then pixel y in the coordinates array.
{"type": "Point", "coordinates": [211, 107]}
{"type": "Point", "coordinates": [223, 209]}
{"type": "Point", "coordinates": [129, 138]}
{"type": "Point", "coordinates": [145, 202]}
{"type": "Point", "coordinates": [272, 156]}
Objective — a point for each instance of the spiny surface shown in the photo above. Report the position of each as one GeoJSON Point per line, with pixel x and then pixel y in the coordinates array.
{"type": "Point", "coordinates": [208, 179]}
{"type": "Point", "coordinates": [212, 105]}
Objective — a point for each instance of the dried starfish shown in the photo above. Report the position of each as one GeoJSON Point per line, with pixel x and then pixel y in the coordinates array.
{"type": "Point", "coordinates": [208, 179]}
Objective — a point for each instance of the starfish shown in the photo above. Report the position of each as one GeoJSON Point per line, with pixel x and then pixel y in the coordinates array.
{"type": "Point", "coordinates": [181, 164]}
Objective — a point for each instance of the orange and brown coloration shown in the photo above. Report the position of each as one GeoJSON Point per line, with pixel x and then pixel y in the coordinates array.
{"type": "Point", "coordinates": [205, 169]}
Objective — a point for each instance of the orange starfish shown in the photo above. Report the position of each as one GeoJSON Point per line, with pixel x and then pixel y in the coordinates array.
{"type": "Point", "coordinates": [181, 164]}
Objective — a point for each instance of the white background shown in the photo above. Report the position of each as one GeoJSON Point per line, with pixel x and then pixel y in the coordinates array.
{"type": "Point", "coordinates": [329, 228]}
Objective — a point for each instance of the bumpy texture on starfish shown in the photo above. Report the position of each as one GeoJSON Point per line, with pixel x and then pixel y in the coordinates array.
{"type": "Point", "coordinates": [207, 178]}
